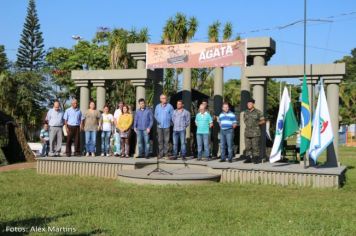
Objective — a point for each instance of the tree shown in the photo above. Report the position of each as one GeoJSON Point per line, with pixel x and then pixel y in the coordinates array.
{"type": "Point", "coordinates": [4, 63]}
{"type": "Point", "coordinates": [348, 90]}
{"type": "Point", "coordinates": [31, 53]}
{"type": "Point", "coordinates": [177, 30]}
{"type": "Point", "coordinates": [227, 31]}
{"type": "Point", "coordinates": [213, 32]}
{"type": "Point", "coordinates": [106, 50]}
{"type": "Point", "coordinates": [232, 92]}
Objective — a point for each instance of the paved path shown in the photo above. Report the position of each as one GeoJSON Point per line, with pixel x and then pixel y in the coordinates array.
{"type": "Point", "coordinates": [18, 166]}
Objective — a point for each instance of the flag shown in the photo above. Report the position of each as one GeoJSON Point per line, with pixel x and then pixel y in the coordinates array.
{"type": "Point", "coordinates": [305, 132]}
{"type": "Point", "coordinates": [286, 126]}
{"type": "Point", "coordinates": [322, 134]}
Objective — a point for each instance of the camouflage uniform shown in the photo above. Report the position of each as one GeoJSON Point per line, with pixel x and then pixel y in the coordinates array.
{"type": "Point", "coordinates": [252, 132]}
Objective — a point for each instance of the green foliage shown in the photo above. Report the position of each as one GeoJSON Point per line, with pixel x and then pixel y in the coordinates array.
{"type": "Point", "coordinates": [348, 90]}
{"type": "Point", "coordinates": [227, 31]}
{"type": "Point", "coordinates": [4, 63]}
{"type": "Point", "coordinates": [108, 207]}
{"type": "Point", "coordinates": [106, 51]}
{"type": "Point", "coordinates": [232, 91]}
{"type": "Point", "coordinates": [179, 29]}
{"type": "Point", "coordinates": [213, 32]}
{"type": "Point", "coordinates": [30, 54]}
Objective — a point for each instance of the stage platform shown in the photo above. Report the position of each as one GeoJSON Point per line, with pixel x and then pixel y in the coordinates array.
{"type": "Point", "coordinates": [192, 171]}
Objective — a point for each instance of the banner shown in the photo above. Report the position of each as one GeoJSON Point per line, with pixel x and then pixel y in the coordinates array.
{"type": "Point", "coordinates": [196, 55]}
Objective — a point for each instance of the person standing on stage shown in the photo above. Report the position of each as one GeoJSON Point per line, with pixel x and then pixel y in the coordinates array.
{"type": "Point", "coordinates": [73, 124]}
{"type": "Point", "coordinates": [227, 121]}
{"type": "Point", "coordinates": [117, 139]}
{"type": "Point", "coordinates": [253, 120]}
{"type": "Point", "coordinates": [142, 125]}
{"type": "Point", "coordinates": [106, 125]}
{"type": "Point", "coordinates": [181, 120]}
{"type": "Point", "coordinates": [163, 116]}
{"type": "Point", "coordinates": [204, 122]}
{"type": "Point", "coordinates": [91, 119]}
{"type": "Point", "coordinates": [125, 124]}
{"type": "Point", "coordinates": [54, 119]}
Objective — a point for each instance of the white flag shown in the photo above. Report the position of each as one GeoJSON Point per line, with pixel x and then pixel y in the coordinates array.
{"type": "Point", "coordinates": [322, 134]}
{"type": "Point", "coordinates": [286, 126]}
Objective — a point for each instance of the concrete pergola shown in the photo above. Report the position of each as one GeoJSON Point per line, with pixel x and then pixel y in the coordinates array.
{"type": "Point", "coordinates": [253, 77]}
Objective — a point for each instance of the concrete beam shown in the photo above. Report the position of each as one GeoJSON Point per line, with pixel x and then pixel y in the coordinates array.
{"type": "Point", "coordinates": [292, 71]}
{"type": "Point", "coordinates": [127, 74]}
{"type": "Point", "coordinates": [136, 48]}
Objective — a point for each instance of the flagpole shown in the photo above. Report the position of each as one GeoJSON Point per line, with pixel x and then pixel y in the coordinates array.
{"type": "Point", "coordinates": [305, 58]}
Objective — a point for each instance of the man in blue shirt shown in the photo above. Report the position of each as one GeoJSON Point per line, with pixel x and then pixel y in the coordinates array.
{"type": "Point", "coordinates": [142, 125]}
{"type": "Point", "coordinates": [181, 120]}
{"type": "Point", "coordinates": [163, 116]}
{"type": "Point", "coordinates": [227, 121]}
{"type": "Point", "coordinates": [73, 124]}
{"type": "Point", "coordinates": [54, 119]}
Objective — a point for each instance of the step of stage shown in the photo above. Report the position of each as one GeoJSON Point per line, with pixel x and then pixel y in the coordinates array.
{"type": "Point", "coordinates": [136, 169]}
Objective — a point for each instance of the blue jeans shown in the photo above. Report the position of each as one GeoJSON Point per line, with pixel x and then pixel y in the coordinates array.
{"type": "Point", "coordinates": [105, 141]}
{"type": "Point", "coordinates": [90, 141]}
{"type": "Point", "coordinates": [226, 140]}
{"type": "Point", "coordinates": [179, 136]}
{"type": "Point", "coordinates": [117, 143]}
{"type": "Point", "coordinates": [203, 140]}
{"type": "Point", "coordinates": [143, 142]}
{"type": "Point", "coordinates": [45, 149]}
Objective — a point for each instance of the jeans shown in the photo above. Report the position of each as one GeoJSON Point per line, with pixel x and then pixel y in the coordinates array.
{"type": "Point", "coordinates": [179, 136]}
{"type": "Point", "coordinates": [143, 142]}
{"type": "Point", "coordinates": [90, 141]}
{"type": "Point", "coordinates": [163, 139]}
{"type": "Point", "coordinates": [105, 141]}
{"type": "Point", "coordinates": [203, 140]}
{"type": "Point", "coordinates": [117, 143]}
{"type": "Point", "coordinates": [45, 149]}
{"type": "Point", "coordinates": [226, 141]}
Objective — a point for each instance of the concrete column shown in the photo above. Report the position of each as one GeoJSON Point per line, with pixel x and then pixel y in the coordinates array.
{"type": "Point", "coordinates": [140, 89]}
{"type": "Point", "coordinates": [140, 93]}
{"type": "Point", "coordinates": [332, 93]}
{"type": "Point", "coordinates": [139, 85]}
{"type": "Point", "coordinates": [245, 95]}
{"type": "Point", "coordinates": [158, 90]}
{"type": "Point", "coordinates": [259, 51]}
{"type": "Point", "coordinates": [83, 104]}
{"type": "Point", "coordinates": [100, 93]}
{"type": "Point", "coordinates": [187, 100]}
{"type": "Point", "coordinates": [218, 100]}
{"type": "Point", "coordinates": [259, 94]}
{"type": "Point", "coordinates": [84, 95]}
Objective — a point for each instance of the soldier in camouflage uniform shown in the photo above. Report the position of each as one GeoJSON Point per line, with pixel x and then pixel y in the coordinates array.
{"type": "Point", "coordinates": [253, 119]}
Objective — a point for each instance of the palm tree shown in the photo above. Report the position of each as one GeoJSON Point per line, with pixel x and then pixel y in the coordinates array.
{"type": "Point", "coordinates": [213, 32]}
{"type": "Point", "coordinates": [227, 31]}
{"type": "Point", "coordinates": [177, 30]}
{"type": "Point", "coordinates": [117, 41]}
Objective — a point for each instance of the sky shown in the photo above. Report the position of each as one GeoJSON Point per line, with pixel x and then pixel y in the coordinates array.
{"type": "Point", "coordinates": [327, 40]}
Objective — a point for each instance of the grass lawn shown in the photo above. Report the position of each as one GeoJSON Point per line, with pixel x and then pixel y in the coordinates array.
{"type": "Point", "coordinates": [108, 207]}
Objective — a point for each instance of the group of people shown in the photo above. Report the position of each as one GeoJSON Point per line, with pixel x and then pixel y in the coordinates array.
{"type": "Point", "coordinates": [121, 125]}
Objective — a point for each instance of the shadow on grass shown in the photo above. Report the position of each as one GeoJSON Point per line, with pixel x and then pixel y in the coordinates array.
{"type": "Point", "coordinates": [39, 222]}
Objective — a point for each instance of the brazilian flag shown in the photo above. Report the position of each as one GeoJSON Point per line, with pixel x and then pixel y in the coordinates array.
{"type": "Point", "coordinates": [305, 132]}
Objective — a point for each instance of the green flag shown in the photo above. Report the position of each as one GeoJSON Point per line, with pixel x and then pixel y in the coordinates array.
{"type": "Point", "coordinates": [305, 122]}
